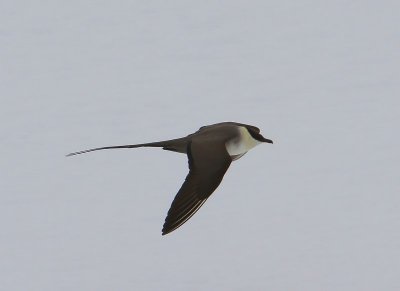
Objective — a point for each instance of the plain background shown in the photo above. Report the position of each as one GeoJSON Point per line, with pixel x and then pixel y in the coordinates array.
{"type": "Point", "coordinates": [317, 210]}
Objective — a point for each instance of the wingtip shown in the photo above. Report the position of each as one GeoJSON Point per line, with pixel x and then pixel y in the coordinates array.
{"type": "Point", "coordinates": [165, 231]}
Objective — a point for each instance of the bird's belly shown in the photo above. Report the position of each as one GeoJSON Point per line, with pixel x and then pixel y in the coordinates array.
{"type": "Point", "coordinates": [237, 148]}
{"type": "Point", "coordinates": [236, 157]}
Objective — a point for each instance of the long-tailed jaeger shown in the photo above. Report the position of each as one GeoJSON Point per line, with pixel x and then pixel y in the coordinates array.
{"type": "Point", "coordinates": [210, 151]}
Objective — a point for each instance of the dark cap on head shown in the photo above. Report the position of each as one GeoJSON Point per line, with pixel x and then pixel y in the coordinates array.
{"type": "Point", "coordinates": [255, 133]}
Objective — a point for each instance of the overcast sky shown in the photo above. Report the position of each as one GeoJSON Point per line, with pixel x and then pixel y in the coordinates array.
{"type": "Point", "coordinates": [317, 210]}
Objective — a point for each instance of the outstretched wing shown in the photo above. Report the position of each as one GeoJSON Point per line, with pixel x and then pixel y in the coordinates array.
{"type": "Point", "coordinates": [208, 163]}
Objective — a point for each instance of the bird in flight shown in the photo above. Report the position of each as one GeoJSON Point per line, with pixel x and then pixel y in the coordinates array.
{"type": "Point", "coordinates": [210, 151]}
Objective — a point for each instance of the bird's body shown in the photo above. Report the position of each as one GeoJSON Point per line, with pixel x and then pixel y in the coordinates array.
{"type": "Point", "coordinates": [210, 151]}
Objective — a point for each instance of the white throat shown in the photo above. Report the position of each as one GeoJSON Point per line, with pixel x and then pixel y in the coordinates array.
{"type": "Point", "coordinates": [237, 147]}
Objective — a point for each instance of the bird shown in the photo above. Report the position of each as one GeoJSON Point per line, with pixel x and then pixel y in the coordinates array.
{"type": "Point", "coordinates": [210, 151]}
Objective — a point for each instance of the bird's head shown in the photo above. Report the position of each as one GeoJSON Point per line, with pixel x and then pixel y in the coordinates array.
{"type": "Point", "coordinates": [255, 133]}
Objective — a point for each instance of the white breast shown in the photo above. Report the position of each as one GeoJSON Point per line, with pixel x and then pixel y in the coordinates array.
{"type": "Point", "coordinates": [242, 144]}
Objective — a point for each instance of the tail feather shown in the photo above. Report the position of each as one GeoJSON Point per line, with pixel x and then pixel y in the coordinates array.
{"type": "Point", "coordinates": [174, 145]}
